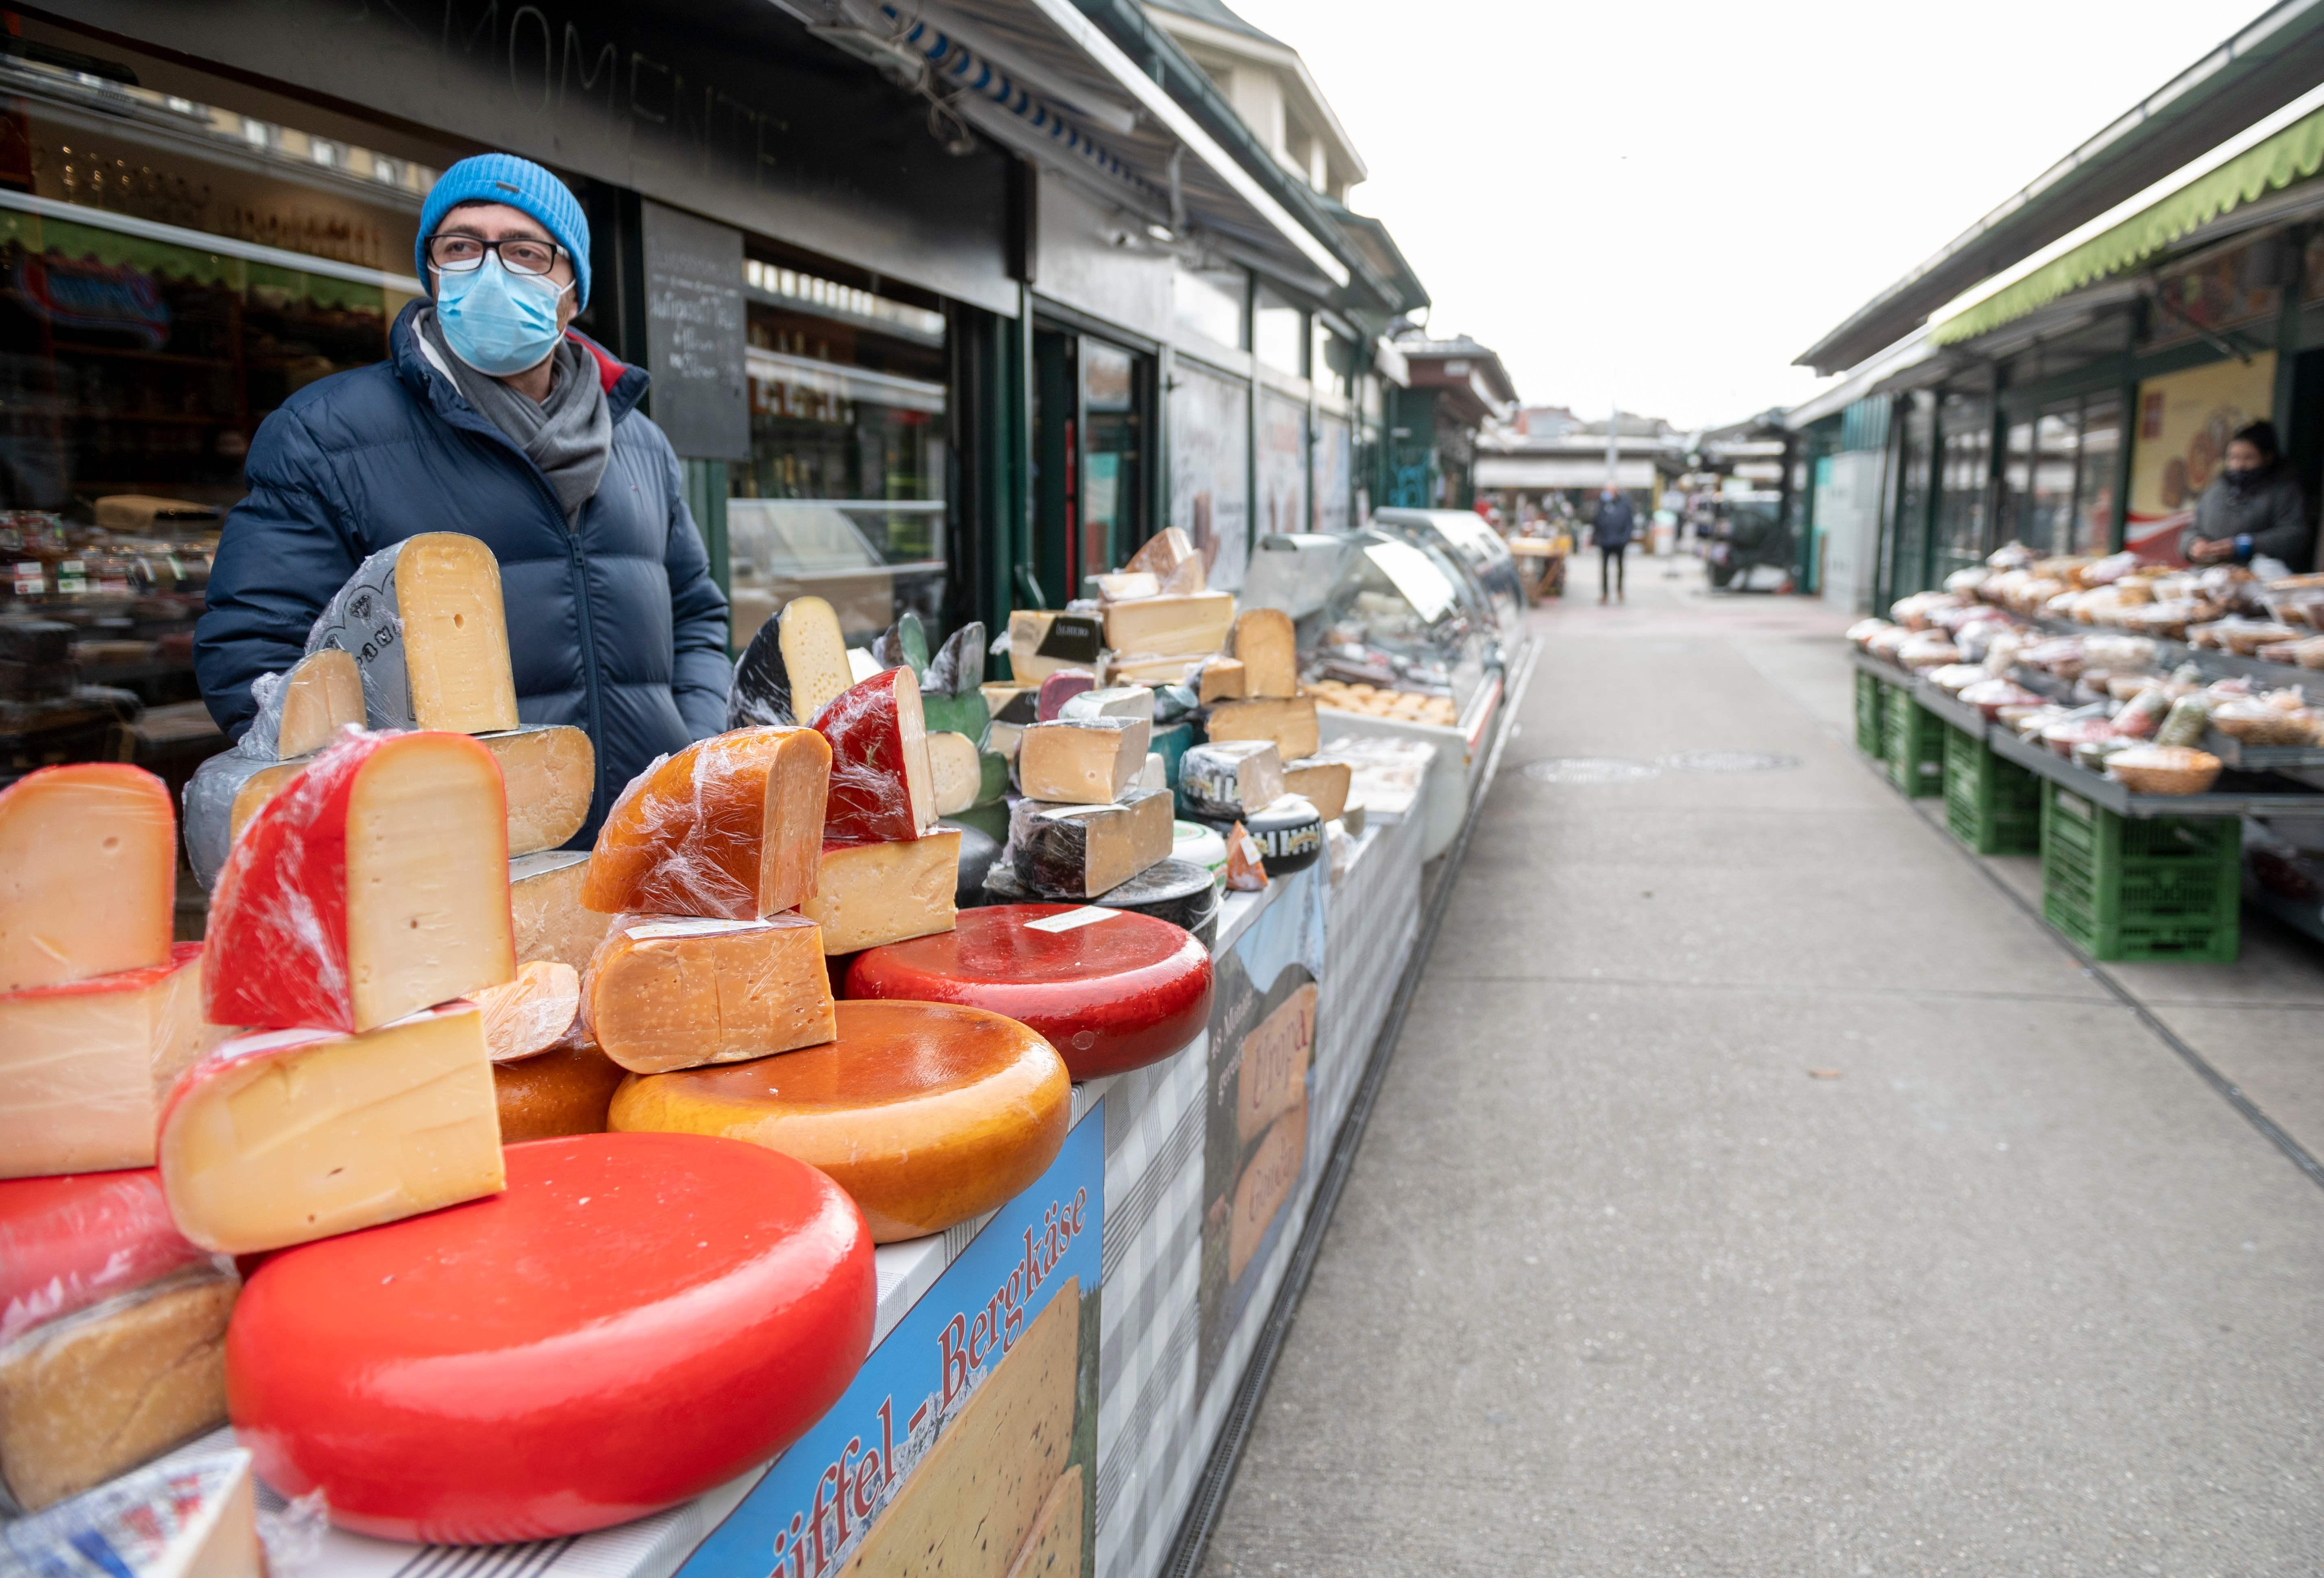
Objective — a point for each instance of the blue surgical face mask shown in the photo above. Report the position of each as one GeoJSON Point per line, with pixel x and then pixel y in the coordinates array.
{"type": "Point", "coordinates": [497, 322]}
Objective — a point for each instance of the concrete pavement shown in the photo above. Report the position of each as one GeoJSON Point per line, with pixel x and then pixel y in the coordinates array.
{"type": "Point", "coordinates": [1757, 1189]}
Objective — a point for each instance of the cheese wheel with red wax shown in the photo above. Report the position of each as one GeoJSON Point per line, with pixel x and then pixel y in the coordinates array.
{"type": "Point", "coordinates": [68, 1242]}
{"type": "Point", "coordinates": [882, 784]}
{"type": "Point", "coordinates": [89, 875]}
{"type": "Point", "coordinates": [1111, 995]}
{"type": "Point", "coordinates": [640, 1317]}
{"type": "Point", "coordinates": [729, 828]}
{"type": "Point", "coordinates": [375, 884]}
{"type": "Point", "coordinates": [928, 1114]}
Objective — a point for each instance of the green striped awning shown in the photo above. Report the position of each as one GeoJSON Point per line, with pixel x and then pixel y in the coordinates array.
{"type": "Point", "coordinates": [2292, 154]}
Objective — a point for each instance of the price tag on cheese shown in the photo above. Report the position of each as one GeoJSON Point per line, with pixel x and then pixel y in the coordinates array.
{"type": "Point", "coordinates": [1073, 919]}
{"type": "Point", "coordinates": [1250, 850]}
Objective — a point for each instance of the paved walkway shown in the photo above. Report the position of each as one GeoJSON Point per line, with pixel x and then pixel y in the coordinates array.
{"type": "Point", "coordinates": [1620, 1285]}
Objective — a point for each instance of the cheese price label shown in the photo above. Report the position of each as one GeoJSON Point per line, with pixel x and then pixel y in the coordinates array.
{"type": "Point", "coordinates": [1073, 919]}
{"type": "Point", "coordinates": [653, 931]}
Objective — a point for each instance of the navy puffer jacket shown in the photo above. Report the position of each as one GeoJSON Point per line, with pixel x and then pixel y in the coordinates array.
{"type": "Point", "coordinates": [615, 625]}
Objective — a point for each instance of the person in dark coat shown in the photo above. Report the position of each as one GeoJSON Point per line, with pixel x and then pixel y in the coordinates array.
{"type": "Point", "coordinates": [494, 418]}
{"type": "Point", "coordinates": [2253, 508]}
{"type": "Point", "coordinates": [1612, 528]}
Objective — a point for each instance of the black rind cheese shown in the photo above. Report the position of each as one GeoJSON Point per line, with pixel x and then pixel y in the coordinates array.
{"type": "Point", "coordinates": [762, 691]}
{"type": "Point", "coordinates": [1176, 890]}
{"type": "Point", "coordinates": [1290, 834]}
{"type": "Point", "coordinates": [958, 665]}
{"type": "Point", "coordinates": [978, 853]}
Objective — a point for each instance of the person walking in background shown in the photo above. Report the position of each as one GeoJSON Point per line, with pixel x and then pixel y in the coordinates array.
{"type": "Point", "coordinates": [1612, 527]}
{"type": "Point", "coordinates": [2254, 509]}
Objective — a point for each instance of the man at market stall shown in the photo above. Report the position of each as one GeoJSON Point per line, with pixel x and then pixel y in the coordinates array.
{"type": "Point", "coordinates": [1612, 528]}
{"type": "Point", "coordinates": [2253, 510]}
{"type": "Point", "coordinates": [491, 417]}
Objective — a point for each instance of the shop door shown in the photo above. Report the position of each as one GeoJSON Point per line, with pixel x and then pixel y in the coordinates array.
{"type": "Point", "coordinates": [1090, 426]}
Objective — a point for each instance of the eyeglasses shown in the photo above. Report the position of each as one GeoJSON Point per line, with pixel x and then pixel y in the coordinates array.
{"type": "Point", "coordinates": [459, 255]}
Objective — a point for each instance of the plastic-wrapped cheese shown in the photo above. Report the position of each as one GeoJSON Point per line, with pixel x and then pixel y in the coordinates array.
{"type": "Point", "coordinates": [82, 1067]}
{"type": "Point", "coordinates": [373, 886]}
{"type": "Point", "coordinates": [192, 1517]}
{"type": "Point", "coordinates": [730, 826]}
{"type": "Point", "coordinates": [1079, 852]}
{"type": "Point", "coordinates": [89, 875]}
{"type": "Point", "coordinates": [545, 905]}
{"type": "Point", "coordinates": [305, 709]}
{"type": "Point", "coordinates": [1111, 989]}
{"type": "Point", "coordinates": [97, 1392]}
{"type": "Point", "coordinates": [640, 1317]}
{"type": "Point", "coordinates": [424, 620]}
{"type": "Point", "coordinates": [532, 1013]}
{"type": "Point", "coordinates": [668, 992]}
{"type": "Point", "coordinates": [882, 784]}
{"type": "Point", "coordinates": [69, 1242]}
{"type": "Point", "coordinates": [926, 1114]}
{"type": "Point", "coordinates": [293, 1135]}
{"type": "Point", "coordinates": [1086, 763]}
{"type": "Point", "coordinates": [1223, 776]}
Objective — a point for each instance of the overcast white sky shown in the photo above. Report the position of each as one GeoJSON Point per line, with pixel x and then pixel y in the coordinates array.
{"type": "Point", "coordinates": [1664, 204]}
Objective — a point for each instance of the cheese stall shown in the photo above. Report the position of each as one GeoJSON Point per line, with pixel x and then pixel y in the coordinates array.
{"type": "Point", "coordinates": [877, 1153]}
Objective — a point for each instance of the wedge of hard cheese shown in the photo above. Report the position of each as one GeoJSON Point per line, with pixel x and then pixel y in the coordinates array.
{"type": "Point", "coordinates": [532, 1013]}
{"type": "Point", "coordinates": [795, 664]}
{"type": "Point", "coordinates": [545, 905]}
{"type": "Point", "coordinates": [1290, 722]}
{"type": "Point", "coordinates": [424, 622]}
{"type": "Point", "coordinates": [925, 1113]}
{"type": "Point", "coordinates": [1086, 763]}
{"type": "Point", "coordinates": [321, 695]}
{"type": "Point", "coordinates": [1192, 624]}
{"type": "Point", "coordinates": [882, 786]}
{"type": "Point", "coordinates": [1266, 645]}
{"type": "Point", "coordinates": [69, 1242]}
{"type": "Point", "coordinates": [1322, 783]}
{"type": "Point", "coordinates": [95, 1394]}
{"type": "Point", "coordinates": [89, 875]}
{"type": "Point", "coordinates": [867, 894]}
{"type": "Point", "coordinates": [639, 1318]}
{"type": "Point", "coordinates": [83, 1067]}
{"type": "Point", "coordinates": [289, 1136]}
{"type": "Point", "coordinates": [1224, 778]}
{"type": "Point", "coordinates": [1079, 852]}
{"type": "Point", "coordinates": [1171, 558]}
{"type": "Point", "coordinates": [730, 826]}
{"type": "Point", "coordinates": [667, 993]}
{"type": "Point", "coordinates": [374, 885]}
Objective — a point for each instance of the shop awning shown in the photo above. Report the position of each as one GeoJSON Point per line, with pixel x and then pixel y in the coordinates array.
{"type": "Point", "coordinates": [2292, 155]}
{"type": "Point", "coordinates": [1521, 471]}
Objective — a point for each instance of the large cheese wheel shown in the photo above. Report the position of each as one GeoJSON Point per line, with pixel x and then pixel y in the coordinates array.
{"type": "Point", "coordinates": [928, 1114]}
{"type": "Point", "coordinates": [1110, 996]}
{"type": "Point", "coordinates": [729, 828]}
{"type": "Point", "coordinates": [564, 1090]}
{"type": "Point", "coordinates": [68, 1242]}
{"type": "Point", "coordinates": [373, 885]}
{"type": "Point", "coordinates": [638, 1318]}
{"type": "Point", "coordinates": [89, 875]}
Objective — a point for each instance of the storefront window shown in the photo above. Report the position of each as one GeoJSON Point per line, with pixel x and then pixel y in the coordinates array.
{"type": "Point", "coordinates": [844, 495]}
{"type": "Point", "coordinates": [2050, 517]}
{"type": "Point", "coordinates": [1966, 424]}
{"type": "Point", "coordinates": [1112, 468]}
{"type": "Point", "coordinates": [1209, 302]}
{"type": "Point", "coordinates": [1282, 465]}
{"type": "Point", "coordinates": [2098, 455]}
{"type": "Point", "coordinates": [1332, 362]}
{"type": "Point", "coordinates": [175, 271]}
{"type": "Point", "coordinates": [1278, 330]}
{"type": "Point", "coordinates": [1209, 458]}
{"type": "Point", "coordinates": [1907, 536]}
{"type": "Point", "coordinates": [1334, 472]}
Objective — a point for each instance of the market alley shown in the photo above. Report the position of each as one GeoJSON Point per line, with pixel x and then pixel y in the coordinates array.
{"type": "Point", "coordinates": [1758, 1188]}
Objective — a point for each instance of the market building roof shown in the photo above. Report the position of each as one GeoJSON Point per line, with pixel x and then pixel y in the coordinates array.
{"type": "Point", "coordinates": [2261, 69]}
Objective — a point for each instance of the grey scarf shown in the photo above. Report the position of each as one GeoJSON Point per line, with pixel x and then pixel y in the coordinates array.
{"type": "Point", "coordinates": [569, 435]}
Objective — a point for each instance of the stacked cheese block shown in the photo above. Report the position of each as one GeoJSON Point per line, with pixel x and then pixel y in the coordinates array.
{"type": "Point", "coordinates": [112, 1323]}
{"type": "Point", "coordinates": [417, 639]}
{"type": "Point", "coordinates": [1259, 777]}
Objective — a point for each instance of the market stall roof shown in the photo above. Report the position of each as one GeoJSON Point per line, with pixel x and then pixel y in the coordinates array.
{"type": "Point", "coordinates": [1044, 78]}
{"type": "Point", "coordinates": [2263, 66]}
{"type": "Point", "coordinates": [2290, 156]}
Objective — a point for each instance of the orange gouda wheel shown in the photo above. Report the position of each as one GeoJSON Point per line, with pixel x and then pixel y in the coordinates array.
{"type": "Point", "coordinates": [929, 1114]}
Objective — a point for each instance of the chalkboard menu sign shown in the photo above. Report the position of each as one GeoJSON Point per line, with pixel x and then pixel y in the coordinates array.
{"type": "Point", "coordinates": [694, 334]}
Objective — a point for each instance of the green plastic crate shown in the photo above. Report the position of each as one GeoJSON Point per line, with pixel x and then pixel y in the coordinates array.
{"type": "Point", "coordinates": [1992, 805]}
{"type": "Point", "coordinates": [1871, 738]}
{"type": "Point", "coordinates": [2141, 887]}
{"type": "Point", "coordinates": [1915, 741]}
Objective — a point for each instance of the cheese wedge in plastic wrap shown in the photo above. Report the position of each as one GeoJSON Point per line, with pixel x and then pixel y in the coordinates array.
{"type": "Point", "coordinates": [881, 784]}
{"type": "Point", "coordinates": [424, 620]}
{"type": "Point", "coordinates": [668, 992]}
{"type": "Point", "coordinates": [68, 1242]}
{"type": "Point", "coordinates": [545, 903]}
{"type": "Point", "coordinates": [532, 1013]}
{"type": "Point", "coordinates": [193, 1518]}
{"type": "Point", "coordinates": [89, 875]}
{"type": "Point", "coordinates": [374, 885]}
{"type": "Point", "coordinates": [729, 828]}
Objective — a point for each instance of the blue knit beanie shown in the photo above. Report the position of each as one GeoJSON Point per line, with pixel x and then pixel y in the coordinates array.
{"type": "Point", "coordinates": [522, 185]}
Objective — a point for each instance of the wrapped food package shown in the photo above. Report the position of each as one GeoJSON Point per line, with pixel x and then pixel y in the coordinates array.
{"type": "Point", "coordinates": [2063, 735]}
{"type": "Point", "coordinates": [1991, 697]}
{"type": "Point", "coordinates": [2184, 723]}
{"type": "Point", "coordinates": [730, 827]}
{"type": "Point", "coordinates": [1928, 649]}
{"type": "Point", "coordinates": [882, 784]}
{"type": "Point", "coordinates": [1955, 678]}
{"type": "Point", "coordinates": [2164, 769]}
{"type": "Point", "coordinates": [69, 1242]}
{"type": "Point", "coordinates": [425, 623]}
